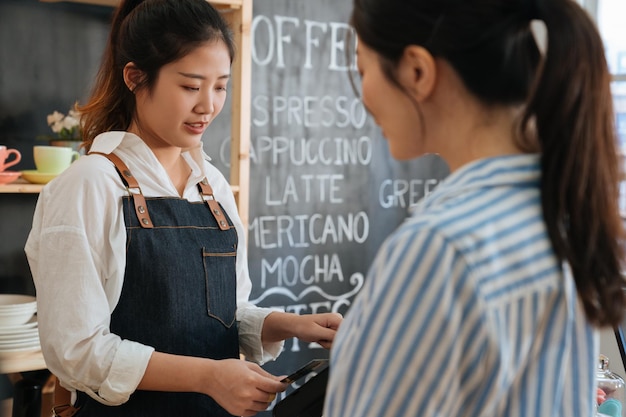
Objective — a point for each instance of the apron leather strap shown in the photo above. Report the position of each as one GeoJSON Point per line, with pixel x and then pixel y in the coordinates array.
{"type": "Point", "coordinates": [216, 210]}
{"type": "Point", "coordinates": [133, 187]}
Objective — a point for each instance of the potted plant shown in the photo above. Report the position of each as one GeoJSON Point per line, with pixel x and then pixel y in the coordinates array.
{"type": "Point", "coordinates": [67, 129]}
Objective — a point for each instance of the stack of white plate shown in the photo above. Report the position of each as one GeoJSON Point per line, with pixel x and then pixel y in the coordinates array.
{"type": "Point", "coordinates": [18, 325]}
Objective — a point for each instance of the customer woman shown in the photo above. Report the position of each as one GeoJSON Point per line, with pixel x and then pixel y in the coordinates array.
{"type": "Point", "coordinates": [486, 301]}
{"type": "Point", "coordinates": [136, 249]}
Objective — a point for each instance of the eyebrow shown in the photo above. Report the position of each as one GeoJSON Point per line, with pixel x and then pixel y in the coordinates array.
{"type": "Point", "coordinates": [202, 77]}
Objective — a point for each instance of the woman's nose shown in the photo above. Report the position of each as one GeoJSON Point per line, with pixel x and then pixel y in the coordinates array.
{"type": "Point", "coordinates": [207, 104]}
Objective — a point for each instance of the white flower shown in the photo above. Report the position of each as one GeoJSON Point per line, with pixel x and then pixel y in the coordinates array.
{"type": "Point", "coordinates": [55, 117]}
{"type": "Point", "coordinates": [69, 122]}
{"type": "Point", "coordinates": [57, 126]}
{"type": "Point", "coordinates": [66, 127]}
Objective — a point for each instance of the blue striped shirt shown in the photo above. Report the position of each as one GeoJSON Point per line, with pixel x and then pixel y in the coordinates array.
{"type": "Point", "coordinates": [467, 312]}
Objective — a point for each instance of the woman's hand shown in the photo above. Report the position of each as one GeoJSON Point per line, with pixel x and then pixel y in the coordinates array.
{"type": "Point", "coordinates": [319, 328]}
{"type": "Point", "coordinates": [242, 388]}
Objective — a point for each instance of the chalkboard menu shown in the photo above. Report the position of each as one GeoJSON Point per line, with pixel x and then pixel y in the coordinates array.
{"type": "Point", "coordinates": [324, 191]}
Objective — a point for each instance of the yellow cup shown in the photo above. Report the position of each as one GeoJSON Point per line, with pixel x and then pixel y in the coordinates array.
{"type": "Point", "coordinates": [53, 159]}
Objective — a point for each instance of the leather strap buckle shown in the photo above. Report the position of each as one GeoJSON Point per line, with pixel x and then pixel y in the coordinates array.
{"type": "Point", "coordinates": [65, 410]}
{"type": "Point", "coordinates": [214, 207]}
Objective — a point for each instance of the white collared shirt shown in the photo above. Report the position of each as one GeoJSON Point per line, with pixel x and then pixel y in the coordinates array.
{"type": "Point", "coordinates": [77, 255]}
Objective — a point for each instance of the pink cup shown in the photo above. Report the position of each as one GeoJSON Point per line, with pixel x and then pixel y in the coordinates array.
{"type": "Point", "coordinates": [4, 155]}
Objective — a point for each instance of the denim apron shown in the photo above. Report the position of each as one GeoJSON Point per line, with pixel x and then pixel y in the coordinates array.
{"type": "Point", "coordinates": [178, 295]}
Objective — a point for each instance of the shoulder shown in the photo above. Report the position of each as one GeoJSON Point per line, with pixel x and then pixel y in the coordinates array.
{"type": "Point", "coordinates": [479, 216]}
{"type": "Point", "coordinates": [89, 172]}
{"type": "Point", "coordinates": [424, 255]}
{"type": "Point", "coordinates": [426, 233]}
{"type": "Point", "coordinates": [421, 255]}
{"type": "Point", "coordinates": [90, 187]}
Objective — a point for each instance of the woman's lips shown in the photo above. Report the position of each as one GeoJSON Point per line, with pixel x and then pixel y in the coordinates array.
{"type": "Point", "coordinates": [196, 128]}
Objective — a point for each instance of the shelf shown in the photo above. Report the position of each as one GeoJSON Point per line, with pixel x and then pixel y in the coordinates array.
{"type": "Point", "coordinates": [27, 362]}
{"type": "Point", "coordinates": [23, 187]}
{"type": "Point", "coordinates": [20, 186]}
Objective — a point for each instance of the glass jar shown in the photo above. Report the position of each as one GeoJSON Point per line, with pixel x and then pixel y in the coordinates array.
{"type": "Point", "coordinates": [612, 386]}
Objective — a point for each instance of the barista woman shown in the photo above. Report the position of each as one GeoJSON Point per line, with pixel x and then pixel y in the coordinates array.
{"type": "Point", "coordinates": [136, 250]}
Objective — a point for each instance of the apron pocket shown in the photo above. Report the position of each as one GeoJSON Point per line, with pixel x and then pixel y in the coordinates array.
{"type": "Point", "coordinates": [220, 276]}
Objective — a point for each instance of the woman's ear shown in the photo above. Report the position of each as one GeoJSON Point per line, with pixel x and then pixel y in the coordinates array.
{"type": "Point", "coordinates": [132, 76]}
{"type": "Point", "coordinates": [417, 72]}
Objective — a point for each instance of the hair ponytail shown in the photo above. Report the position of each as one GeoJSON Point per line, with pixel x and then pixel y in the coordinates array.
{"type": "Point", "coordinates": [571, 107]}
{"type": "Point", "coordinates": [107, 109]}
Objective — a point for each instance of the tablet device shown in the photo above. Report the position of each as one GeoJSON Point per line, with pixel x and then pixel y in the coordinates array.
{"type": "Point", "coordinates": [305, 370]}
{"type": "Point", "coordinates": [306, 401]}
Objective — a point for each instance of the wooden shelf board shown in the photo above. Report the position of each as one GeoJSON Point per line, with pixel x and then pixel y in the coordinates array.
{"type": "Point", "coordinates": [22, 363]}
{"type": "Point", "coordinates": [20, 186]}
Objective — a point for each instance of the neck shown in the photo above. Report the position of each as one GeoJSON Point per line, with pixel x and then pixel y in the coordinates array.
{"type": "Point", "coordinates": [478, 131]}
{"type": "Point", "coordinates": [482, 137]}
{"type": "Point", "coordinates": [176, 167]}
{"type": "Point", "coordinates": [169, 157]}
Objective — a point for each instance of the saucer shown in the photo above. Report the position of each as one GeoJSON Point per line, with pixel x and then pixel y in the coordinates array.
{"type": "Point", "coordinates": [9, 176]}
{"type": "Point", "coordinates": [37, 177]}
